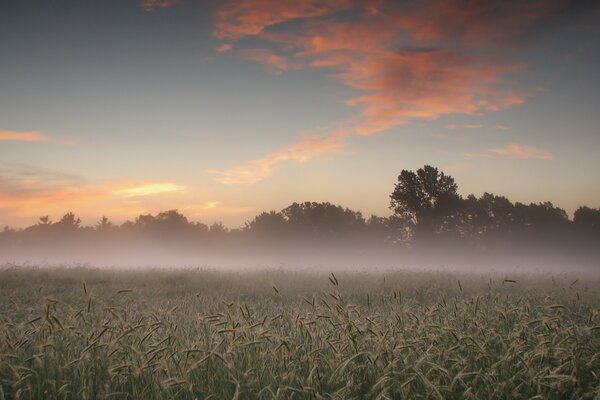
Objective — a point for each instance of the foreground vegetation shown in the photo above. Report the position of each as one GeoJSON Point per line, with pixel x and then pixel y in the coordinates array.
{"type": "Point", "coordinates": [77, 333]}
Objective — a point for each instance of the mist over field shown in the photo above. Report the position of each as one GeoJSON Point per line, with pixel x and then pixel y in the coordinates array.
{"type": "Point", "coordinates": [352, 257]}
{"type": "Point", "coordinates": [431, 226]}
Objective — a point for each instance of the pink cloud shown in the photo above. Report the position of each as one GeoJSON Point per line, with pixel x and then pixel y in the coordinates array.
{"type": "Point", "coordinates": [464, 126]}
{"type": "Point", "coordinates": [224, 47]}
{"type": "Point", "coordinates": [237, 19]}
{"type": "Point", "coordinates": [411, 61]}
{"type": "Point", "coordinates": [150, 5]}
{"type": "Point", "coordinates": [23, 136]}
{"type": "Point", "coordinates": [275, 63]}
{"type": "Point", "coordinates": [515, 151]}
{"type": "Point", "coordinates": [305, 149]}
{"type": "Point", "coordinates": [27, 191]}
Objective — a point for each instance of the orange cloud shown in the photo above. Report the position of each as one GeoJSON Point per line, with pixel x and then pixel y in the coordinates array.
{"type": "Point", "coordinates": [275, 63]}
{"type": "Point", "coordinates": [464, 126]}
{"type": "Point", "coordinates": [250, 17]}
{"type": "Point", "coordinates": [411, 60]}
{"type": "Point", "coordinates": [516, 151]}
{"type": "Point", "coordinates": [150, 5]}
{"type": "Point", "coordinates": [27, 192]}
{"type": "Point", "coordinates": [415, 61]}
{"type": "Point", "coordinates": [406, 82]}
{"type": "Point", "coordinates": [215, 207]}
{"type": "Point", "coordinates": [23, 136]}
{"type": "Point", "coordinates": [305, 149]}
{"type": "Point", "coordinates": [224, 47]}
{"type": "Point", "coordinates": [148, 189]}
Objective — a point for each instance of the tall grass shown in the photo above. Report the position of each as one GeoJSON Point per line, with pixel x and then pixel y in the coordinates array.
{"type": "Point", "coordinates": [200, 334]}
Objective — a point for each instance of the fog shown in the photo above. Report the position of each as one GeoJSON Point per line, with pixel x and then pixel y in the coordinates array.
{"type": "Point", "coordinates": [432, 227]}
{"type": "Point", "coordinates": [245, 253]}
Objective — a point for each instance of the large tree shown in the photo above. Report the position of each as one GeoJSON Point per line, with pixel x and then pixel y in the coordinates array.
{"type": "Point", "coordinates": [427, 200]}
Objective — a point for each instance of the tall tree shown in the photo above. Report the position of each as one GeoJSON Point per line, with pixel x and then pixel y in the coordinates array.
{"type": "Point", "coordinates": [427, 199]}
{"type": "Point", "coordinates": [587, 219]}
{"type": "Point", "coordinates": [268, 224]}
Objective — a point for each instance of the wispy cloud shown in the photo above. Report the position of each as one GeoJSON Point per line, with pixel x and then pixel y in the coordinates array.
{"type": "Point", "coordinates": [416, 61]}
{"type": "Point", "coordinates": [224, 47]}
{"type": "Point", "coordinates": [514, 151]}
{"type": "Point", "coordinates": [275, 63]}
{"type": "Point", "coordinates": [237, 19]}
{"type": "Point", "coordinates": [412, 61]}
{"type": "Point", "coordinates": [25, 188]}
{"type": "Point", "coordinates": [216, 207]}
{"type": "Point", "coordinates": [23, 136]}
{"type": "Point", "coordinates": [148, 189]}
{"type": "Point", "coordinates": [150, 5]}
{"type": "Point", "coordinates": [305, 149]}
{"type": "Point", "coordinates": [464, 126]}
{"type": "Point", "coordinates": [27, 191]}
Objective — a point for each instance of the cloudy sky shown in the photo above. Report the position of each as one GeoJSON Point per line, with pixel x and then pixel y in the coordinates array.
{"type": "Point", "coordinates": [223, 109]}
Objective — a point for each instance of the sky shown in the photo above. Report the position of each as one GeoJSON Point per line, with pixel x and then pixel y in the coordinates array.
{"type": "Point", "coordinates": [224, 109]}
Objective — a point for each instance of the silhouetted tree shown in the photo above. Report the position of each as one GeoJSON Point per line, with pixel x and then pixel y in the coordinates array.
{"type": "Point", "coordinates": [104, 225]}
{"type": "Point", "coordinates": [145, 222]}
{"type": "Point", "coordinates": [217, 228]}
{"type": "Point", "coordinates": [486, 218]}
{"type": "Point", "coordinates": [427, 200]}
{"type": "Point", "coordinates": [171, 220]}
{"type": "Point", "coordinates": [587, 220]}
{"type": "Point", "coordinates": [68, 222]}
{"type": "Point", "coordinates": [45, 221]}
{"type": "Point", "coordinates": [267, 224]}
{"type": "Point", "coordinates": [539, 218]}
{"type": "Point", "coordinates": [322, 219]}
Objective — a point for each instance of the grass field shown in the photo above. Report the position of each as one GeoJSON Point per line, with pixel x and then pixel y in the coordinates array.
{"type": "Point", "coordinates": [79, 333]}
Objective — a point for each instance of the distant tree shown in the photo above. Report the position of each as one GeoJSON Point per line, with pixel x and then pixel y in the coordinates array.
{"type": "Point", "coordinates": [199, 227]}
{"type": "Point", "coordinates": [486, 217]}
{"type": "Point", "coordinates": [166, 225]}
{"type": "Point", "coordinates": [540, 218]}
{"type": "Point", "coordinates": [45, 221]}
{"type": "Point", "coordinates": [145, 222]}
{"type": "Point", "coordinates": [128, 226]}
{"type": "Point", "coordinates": [322, 219]}
{"type": "Point", "coordinates": [68, 222]}
{"type": "Point", "coordinates": [217, 228]}
{"type": "Point", "coordinates": [386, 230]}
{"type": "Point", "coordinates": [427, 200]}
{"type": "Point", "coordinates": [171, 220]}
{"type": "Point", "coordinates": [267, 224]}
{"type": "Point", "coordinates": [587, 219]}
{"type": "Point", "coordinates": [104, 225]}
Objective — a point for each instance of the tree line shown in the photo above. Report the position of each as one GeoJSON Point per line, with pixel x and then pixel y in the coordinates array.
{"type": "Point", "coordinates": [426, 210]}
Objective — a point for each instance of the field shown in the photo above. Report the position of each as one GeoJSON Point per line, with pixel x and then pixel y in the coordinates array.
{"type": "Point", "coordinates": [81, 333]}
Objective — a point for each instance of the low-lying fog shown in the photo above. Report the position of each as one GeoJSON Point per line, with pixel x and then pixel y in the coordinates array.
{"type": "Point", "coordinates": [353, 256]}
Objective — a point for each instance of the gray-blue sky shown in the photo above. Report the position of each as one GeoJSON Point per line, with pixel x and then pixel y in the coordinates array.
{"type": "Point", "coordinates": [224, 109]}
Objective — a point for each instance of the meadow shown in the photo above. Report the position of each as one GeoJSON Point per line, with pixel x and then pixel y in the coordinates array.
{"type": "Point", "coordinates": [85, 333]}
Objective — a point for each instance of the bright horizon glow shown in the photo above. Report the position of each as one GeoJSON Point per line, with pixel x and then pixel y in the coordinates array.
{"type": "Point", "coordinates": [228, 109]}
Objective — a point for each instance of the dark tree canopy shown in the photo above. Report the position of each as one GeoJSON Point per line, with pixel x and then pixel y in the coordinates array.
{"type": "Point", "coordinates": [587, 219]}
{"type": "Point", "coordinates": [322, 218]}
{"type": "Point", "coordinates": [428, 199]}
